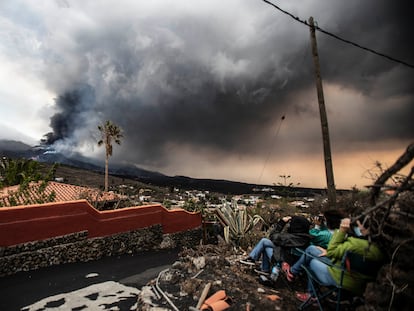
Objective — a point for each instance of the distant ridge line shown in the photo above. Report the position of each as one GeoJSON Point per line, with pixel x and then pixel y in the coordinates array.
{"type": "Point", "coordinates": [154, 178]}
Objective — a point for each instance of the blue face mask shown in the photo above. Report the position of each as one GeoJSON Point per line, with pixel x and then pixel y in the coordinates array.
{"type": "Point", "coordinates": [357, 231]}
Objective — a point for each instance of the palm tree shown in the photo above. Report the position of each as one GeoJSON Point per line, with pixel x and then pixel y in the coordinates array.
{"type": "Point", "coordinates": [109, 132]}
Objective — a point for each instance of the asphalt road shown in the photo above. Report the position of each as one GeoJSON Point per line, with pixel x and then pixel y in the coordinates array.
{"type": "Point", "coordinates": [97, 285]}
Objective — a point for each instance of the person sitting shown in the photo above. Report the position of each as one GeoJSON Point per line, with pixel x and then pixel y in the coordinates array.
{"type": "Point", "coordinates": [342, 241]}
{"type": "Point", "coordinates": [272, 249]}
{"type": "Point", "coordinates": [321, 233]}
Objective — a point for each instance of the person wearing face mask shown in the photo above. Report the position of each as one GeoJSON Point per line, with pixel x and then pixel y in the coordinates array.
{"type": "Point", "coordinates": [344, 239]}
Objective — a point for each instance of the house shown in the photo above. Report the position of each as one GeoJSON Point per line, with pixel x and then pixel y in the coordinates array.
{"type": "Point", "coordinates": [52, 191]}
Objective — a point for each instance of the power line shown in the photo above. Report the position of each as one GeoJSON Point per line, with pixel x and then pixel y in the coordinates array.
{"type": "Point", "coordinates": [340, 38]}
{"type": "Point", "coordinates": [271, 148]}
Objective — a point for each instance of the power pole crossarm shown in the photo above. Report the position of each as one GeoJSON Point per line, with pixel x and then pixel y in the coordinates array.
{"type": "Point", "coordinates": [324, 120]}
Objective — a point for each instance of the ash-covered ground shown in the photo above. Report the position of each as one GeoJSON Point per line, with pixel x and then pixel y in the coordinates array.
{"type": "Point", "coordinates": [219, 266]}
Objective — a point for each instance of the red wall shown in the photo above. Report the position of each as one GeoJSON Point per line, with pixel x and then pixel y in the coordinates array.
{"type": "Point", "coordinates": [38, 222]}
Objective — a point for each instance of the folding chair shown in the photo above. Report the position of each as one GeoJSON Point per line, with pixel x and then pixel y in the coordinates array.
{"type": "Point", "coordinates": [352, 263]}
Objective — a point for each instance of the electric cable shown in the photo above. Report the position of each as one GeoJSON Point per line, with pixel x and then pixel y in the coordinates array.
{"type": "Point", "coordinates": [303, 58]}
{"type": "Point", "coordinates": [270, 150]}
{"type": "Point", "coordinates": [340, 38]}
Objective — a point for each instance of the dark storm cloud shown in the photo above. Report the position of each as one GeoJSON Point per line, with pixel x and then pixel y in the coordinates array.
{"type": "Point", "coordinates": [200, 81]}
{"type": "Point", "coordinates": [383, 26]}
{"type": "Point", "coordinates": [210, 116]}
{"type": "Point", "coordinates": [166, 93]}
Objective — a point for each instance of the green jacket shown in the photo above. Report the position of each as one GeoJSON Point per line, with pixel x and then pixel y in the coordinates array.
{"type": "Point", "coordinates": [339, 244]}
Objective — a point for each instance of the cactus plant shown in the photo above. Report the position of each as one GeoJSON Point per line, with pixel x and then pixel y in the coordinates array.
{"type": "Point", "coordinates": [236, 221]}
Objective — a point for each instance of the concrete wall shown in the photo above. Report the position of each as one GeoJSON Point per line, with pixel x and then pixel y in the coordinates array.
{"type": "Point", "coordinates": [23, 224]}
{"type": "Point", "coordinates": [36, 236]}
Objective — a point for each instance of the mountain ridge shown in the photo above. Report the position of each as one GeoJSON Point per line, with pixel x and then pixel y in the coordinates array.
{"type": "Point", "coordinates": [16, 149]}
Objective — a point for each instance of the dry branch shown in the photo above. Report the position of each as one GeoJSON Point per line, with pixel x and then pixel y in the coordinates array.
{"type": "Point", "coordinates": [402, 161]}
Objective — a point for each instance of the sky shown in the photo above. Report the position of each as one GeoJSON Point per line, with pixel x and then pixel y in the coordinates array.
{"type": "Point", "coordinates": [212, 89]}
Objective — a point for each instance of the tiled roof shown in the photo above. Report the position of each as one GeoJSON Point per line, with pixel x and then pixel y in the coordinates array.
{"type": "Point", "coordinates": [62, 192]}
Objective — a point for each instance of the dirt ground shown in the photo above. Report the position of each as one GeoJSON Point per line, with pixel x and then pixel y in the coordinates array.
{"type": "Point", "coordinates": [219, 266]}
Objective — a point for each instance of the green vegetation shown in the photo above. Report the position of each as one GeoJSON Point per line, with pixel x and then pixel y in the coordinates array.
{"type": "Point", "coordinates": [16, 172]}
{"type": "Point", "coordinates": [23, 172]}
{"type": "Point", "coordinates": [236, 222]}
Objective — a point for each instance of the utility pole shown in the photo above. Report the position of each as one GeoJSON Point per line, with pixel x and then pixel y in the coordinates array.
{"type": "Point", "coordinates": [324, 120]}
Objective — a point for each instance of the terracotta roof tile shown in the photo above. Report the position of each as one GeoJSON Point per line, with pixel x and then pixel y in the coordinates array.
{"type": "Point", "coordinates": [63, 192]}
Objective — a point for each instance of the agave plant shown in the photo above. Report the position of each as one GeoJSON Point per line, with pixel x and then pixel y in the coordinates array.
{"type": "Point", "coordinates": [236, 221]}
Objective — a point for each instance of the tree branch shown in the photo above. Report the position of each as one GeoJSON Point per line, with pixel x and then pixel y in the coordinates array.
{"type": "Point", "coordinates": [402, 161]}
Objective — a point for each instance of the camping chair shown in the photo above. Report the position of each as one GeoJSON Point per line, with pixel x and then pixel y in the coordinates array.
{"type": "Point", "coordinates": [350, 262]}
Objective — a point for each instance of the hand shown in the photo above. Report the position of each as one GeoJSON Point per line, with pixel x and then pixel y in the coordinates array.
{"type": "Point", "coordinates": [317, 220]}
{"type": "Point", "coordinates": [286, 218]}
{"type": "Point", "coordinates": [361, 227]}
{"type": "Point", "coordinates": [323, 251]}
{"type": "Point", "coordinates": [345, 224]}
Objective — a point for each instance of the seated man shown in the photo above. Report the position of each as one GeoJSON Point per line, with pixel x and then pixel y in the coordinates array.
{"type": "Point", "coordinates": [271, 249]}
{"type": "Point", "coordinates": [321, 235]}
{"type": "Point", "coordinates": [342, 241]}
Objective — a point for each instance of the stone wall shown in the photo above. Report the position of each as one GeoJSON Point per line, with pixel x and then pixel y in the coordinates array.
{"type": "Point", "coordinates": [77, 247]}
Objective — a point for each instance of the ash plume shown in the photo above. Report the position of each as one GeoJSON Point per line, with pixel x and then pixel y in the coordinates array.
{"type": "Point", "coordinates": [183, 78]}
{"type": "Point", "coordinates": [74, 108]}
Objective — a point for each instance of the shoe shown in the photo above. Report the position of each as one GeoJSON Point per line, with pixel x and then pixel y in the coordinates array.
{"type": "Point", "coordinates": [248, 261]}
{"type": "Point", "coordinates": [261, 272]}
{"type": "Point", "coordinates": [303, 296]}
{"type": "Point", "coordinates": [306, 297]}
{"type": "Point", "coordinates": [333, 299]}
{"type": "Point", "coordinates": [264, 280]}
{"type": "Point", "coordinates": [286, 269]}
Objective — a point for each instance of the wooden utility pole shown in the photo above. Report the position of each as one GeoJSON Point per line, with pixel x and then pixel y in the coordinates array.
{"type": "Point", "coordinates": [324, 120]}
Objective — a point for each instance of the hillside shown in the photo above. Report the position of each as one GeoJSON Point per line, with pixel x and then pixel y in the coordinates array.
{"type": "Point", "coordinates": [79, 170]}
{"type": "Point", "coordinates": [90, 178]}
